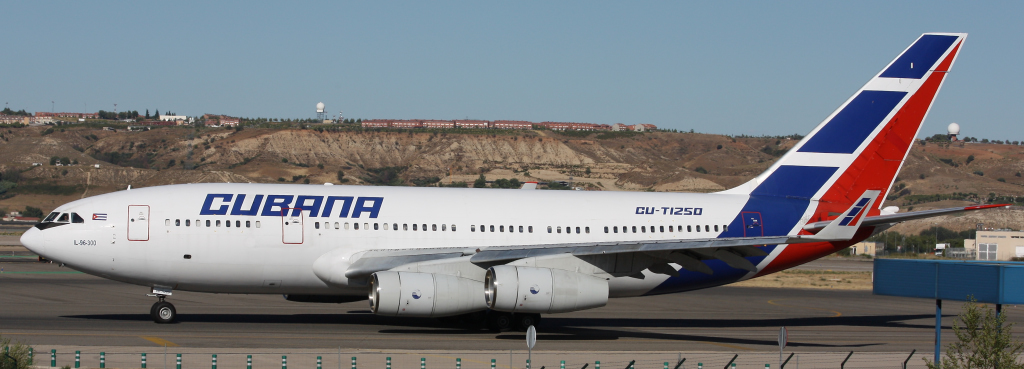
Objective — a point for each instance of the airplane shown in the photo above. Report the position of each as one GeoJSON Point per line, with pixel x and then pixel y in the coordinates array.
{"type": "Point", "coordinates": [510, 256]}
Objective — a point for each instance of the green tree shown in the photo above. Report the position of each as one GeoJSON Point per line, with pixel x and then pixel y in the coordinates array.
{"type": "Point", "coordinates": [16, 351]}
{"type": "Point", "coordinates": [970, 159]}
{"type": "Point", "coordinates": [480, 182]}
{"type": "Point", "coordinates": [32, 212]}
{"type": "Point", "coordinates": [147, 114]}
{"type": "Point", "coordinates": [983, 340]}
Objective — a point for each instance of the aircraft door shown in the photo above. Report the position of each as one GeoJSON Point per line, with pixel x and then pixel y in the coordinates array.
{"type": "Point", "coordinates": [292, 226]}
{"type": "Point", "coordinates": [752, 224]}
{"type": "Point", "coordinates": [138, 222]}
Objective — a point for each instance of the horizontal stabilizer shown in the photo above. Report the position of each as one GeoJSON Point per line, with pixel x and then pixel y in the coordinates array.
{"type": "Point", "coordinates": [903, 217]}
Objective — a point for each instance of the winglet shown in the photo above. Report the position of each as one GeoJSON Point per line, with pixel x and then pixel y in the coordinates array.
{"type": "Point", "coordinates": [845, 226]}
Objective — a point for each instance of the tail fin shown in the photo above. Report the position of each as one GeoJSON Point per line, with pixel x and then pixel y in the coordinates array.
{"type": "Point", "coordinates": [863, 144]}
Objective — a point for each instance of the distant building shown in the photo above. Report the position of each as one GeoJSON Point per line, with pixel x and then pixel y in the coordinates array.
{"type": "Point", "coordinates": [439, 124]}
{"type": "Point", "coordinates": [996, 245]}
{"type": "Point", "coordinates": [406, 123]}
{"type": "Point", "coordinates": [511, 124]}
{"type": "Point", "coordinates": [866, 248]}
{"type": "Point", "coordinates": [376, 123]}
{"type": "Point", "coordinates": [173, 118]}
{"type": "Point", "coordinates": [619, 127]}
{"type": "Point", "coordinates": [472, 124]}
{"type": "Point", "coordinates": [14, 119]}
{"type": "Point", "coordinates": [214, 120]}
{"type": "Point", "coordinates": [42, 120]}
{"type": "Point", "coordinates": [68, 115]}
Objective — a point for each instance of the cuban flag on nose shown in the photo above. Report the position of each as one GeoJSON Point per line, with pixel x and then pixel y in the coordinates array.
{"type": "Point", "coordinates": [99, 216]}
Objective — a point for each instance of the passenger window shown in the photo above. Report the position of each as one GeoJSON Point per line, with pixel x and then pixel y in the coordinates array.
{"type": "Point", "coordinates": [376, 226]}
{"type": "Point", "coordinates": [346, 226]}
{"type": "Point", "coordinates": [316, 225]}
{"type": "Point", "coordinates": [662, 229]}
{"type": "Point", "coordinates": [615, 229]}
{"type": "Point", "coordinates": [207, 223]}
{"type": "Point", "coordinates": [188, 223]}
{"type": "Point", "coordinates": [355, 226]}
{"type": "Point", "coordinates": [76, 219]}
{"type": "Point", "coordinates": [424, 227]}
{"type": "Point", "coordinates": [394, 226]}
{"type": "Point", "coordinates": [248, 224]}
{"type": "Point", "coordinates": [530, 229]}
{"type": "Point", "coordinates": [443, 227]}
{"type": "Point", "coordinates": [227, 223]}
{"type": "Point", "coordinates": [716, 227]}
{"type": "Point", "coordinates": [414, 226]}
{"type": "Point", "coordinates": [643, 229]}
{"type": "Point", "coordinates": [587, 229]}
{"type": "Point", "coordinates": [238, 224]}
{"type": "Point", "coordinates": [707, 228]}
{"type": "Point", "coordinates": [177, 222]}
{"type": "Point", "coordinates": [167, 222]}
{"type": "Point", "coordinates": [257, 224]}
{"type": "Point", "coordinates": [634, 229]}
{"type": "Point", "coordinates": [520, 229]}
{"type": "Point", "coordinates": [670, 228]}
{"type": "Point", "coordinates": [492, 228]}
{"type": "Point", "coordinates": [679, 228]}
{"type": "Point", "coordinates": [725, 228]}
{"type": "Point", "coordinates": [698, 228]}
{"type": "Point", "coordinates": [433, 227]}
{"type": "Point", "coordinates": [559, 229]}
{"type": "Point", "coordinates": [689, 229]}
{"type": "Point", "coordinates": [472, 227]}
{"type": "Point", "coordinates": [453, 228]}
{"type": "Point", "coordinates": [501, 228]}
{"type": "Point", "coordinates": [218, 223]}
{"type": "Point", "coordinates": [549, 229]}
{"type": "Point", "coordinates": [405, 226]}
{"type": "Point", "coordinates": [385, 226]}
{"type": "Point", "coordinates": [578, 230]}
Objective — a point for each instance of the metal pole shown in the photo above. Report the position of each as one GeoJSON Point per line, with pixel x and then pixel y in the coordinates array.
{"type": "Point", "coordinates": [353, 362]}
{"type": "Point", "coordinates": [783, 365]}
{"type": "Point", "coordinates": [938, 332]}
{"type": "Point", "coordinates": [143, 360]}
{"type": "Point", "coordinates": [492, 363]}
{"type": "Point", "coordinates": [843, 365]}
{"type": "Point", "coordinates": [284, 362]}
{"type": "Point", "coordinates": [908, 358]}
{"type": "Point", "coordinates": [389, 362]}
{"type": "Point", "coordinates": [53, 358]}
{"type": "Point", "coordinates": [78, 359]}
{"type": "Point", "coordinates": [178, 364]}
{"type": "Point", "coordinates": [213, 362]}
{"type": "Point", "coordinates": [731, 362]}
{"type": "Point", "coordinates": [248, 362]}
{"type": "Point", "coordinates": [103, 360]}
{"type": "Point", "coordinates": [458, 363]}
{"type": "Point", "coordinates": [680, 363]}
{"type": "Point", "coordinates": [423, 363]}
{"type": "Point", "coordinates": [319, 363]}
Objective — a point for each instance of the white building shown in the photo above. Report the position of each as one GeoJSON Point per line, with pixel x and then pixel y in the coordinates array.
{"type": "Point", "coordinates": [1001, 245]}
{"type": "Point", "coordinates": [168, 118]}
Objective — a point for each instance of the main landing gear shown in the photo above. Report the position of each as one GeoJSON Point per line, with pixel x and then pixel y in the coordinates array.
{"type": "Point", "coordinates": [162, 311]}
{"type": "Point", "coordinates": [502, 321]}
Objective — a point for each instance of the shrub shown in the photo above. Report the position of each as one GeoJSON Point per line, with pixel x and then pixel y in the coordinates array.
{"type": "Point", "coordinates": [983, 340]}
{"type": "Point", "coordinates": [701, 170]}
{"type": "Point", "coordinates": [17, 351]}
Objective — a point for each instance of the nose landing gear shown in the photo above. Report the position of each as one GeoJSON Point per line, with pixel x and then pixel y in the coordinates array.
{"type": "Point", "coordinates": [162, 311]}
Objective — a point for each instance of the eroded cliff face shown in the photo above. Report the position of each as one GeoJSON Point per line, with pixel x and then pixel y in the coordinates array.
{"type": "Point", "coordinates": [659, 161]}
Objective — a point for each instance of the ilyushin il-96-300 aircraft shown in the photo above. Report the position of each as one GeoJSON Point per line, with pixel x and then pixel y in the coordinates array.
{"type": "Point", "coordinates": [510, 256]}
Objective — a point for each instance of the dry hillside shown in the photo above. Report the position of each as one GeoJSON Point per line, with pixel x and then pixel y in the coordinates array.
{"type": "Point", "coordinates": [660, 161]}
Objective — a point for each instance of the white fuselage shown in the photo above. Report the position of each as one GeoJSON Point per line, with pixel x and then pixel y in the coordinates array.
{"type": "Point", "coordinates": [176, 246]}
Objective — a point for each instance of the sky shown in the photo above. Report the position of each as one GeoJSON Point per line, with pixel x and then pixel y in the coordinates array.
{"type": "Point", "coordinates": [753, 68]}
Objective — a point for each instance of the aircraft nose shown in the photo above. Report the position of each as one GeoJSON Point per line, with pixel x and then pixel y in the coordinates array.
{"type": "Point", "coordinates": [32, 239]}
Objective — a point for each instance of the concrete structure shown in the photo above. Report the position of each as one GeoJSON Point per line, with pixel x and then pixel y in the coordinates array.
{"type": "Point", "coordinates": [996, 245]}
{"type": "Point", "coordinates": [376, 123]}
{"type": "Point", "coordinates": [619, 127]}
{"type": "Point", "coordinates": [406, 123]}
{"type": "Point", "coordinates": [438, 124]}
{"type": "Point", "coordinates": [866, 248]}
{"type": "Point", "coordinates": [478, 124]}
{"type": "Point", "coordinates": [173, 118]}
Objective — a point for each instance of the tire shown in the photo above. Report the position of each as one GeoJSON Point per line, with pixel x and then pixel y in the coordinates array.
{"type": "Point", "coordinates": [524, 321]}
{"type": "Point", "coordinates": [163, 312]}
{"type": "Point", "coordinates": [500, 321]}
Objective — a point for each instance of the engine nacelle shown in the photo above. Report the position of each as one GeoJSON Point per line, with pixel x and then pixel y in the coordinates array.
{"type": "Point", "coordinates": [423, 294]}
{"type": "Point", "coordinates": [520, 289]}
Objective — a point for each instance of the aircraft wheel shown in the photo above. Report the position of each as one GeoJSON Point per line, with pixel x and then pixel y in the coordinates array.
{"type": "Point", "coordinates": [163, 312]}
{"type": "Point", "coordinates": [500, 321]}
{"type": "Point", "coordinates": [524, 321]}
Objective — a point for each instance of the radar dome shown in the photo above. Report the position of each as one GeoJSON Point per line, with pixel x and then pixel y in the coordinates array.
{"type": "Point", "coordinates": [319, 107]}
{"type": "Point", "coordinates": [953, 129]}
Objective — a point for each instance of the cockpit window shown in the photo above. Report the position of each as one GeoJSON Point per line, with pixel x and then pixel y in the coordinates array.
{"type": "Point", "coordinates": [63, 218]}
{"type": "Point", "coordinates": [76, 219]}
{"type": "Point", "coordinates": [51, 217]}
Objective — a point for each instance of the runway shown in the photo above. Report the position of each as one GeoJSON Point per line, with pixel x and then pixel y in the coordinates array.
{"type": "Point", "coordinates": [47, 305]}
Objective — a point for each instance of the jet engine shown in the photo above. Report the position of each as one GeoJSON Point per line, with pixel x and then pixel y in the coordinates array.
{"type": "Point", "coordinates": [541, 290]}
{"type": "Point", "coordinates": [423, 294]}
